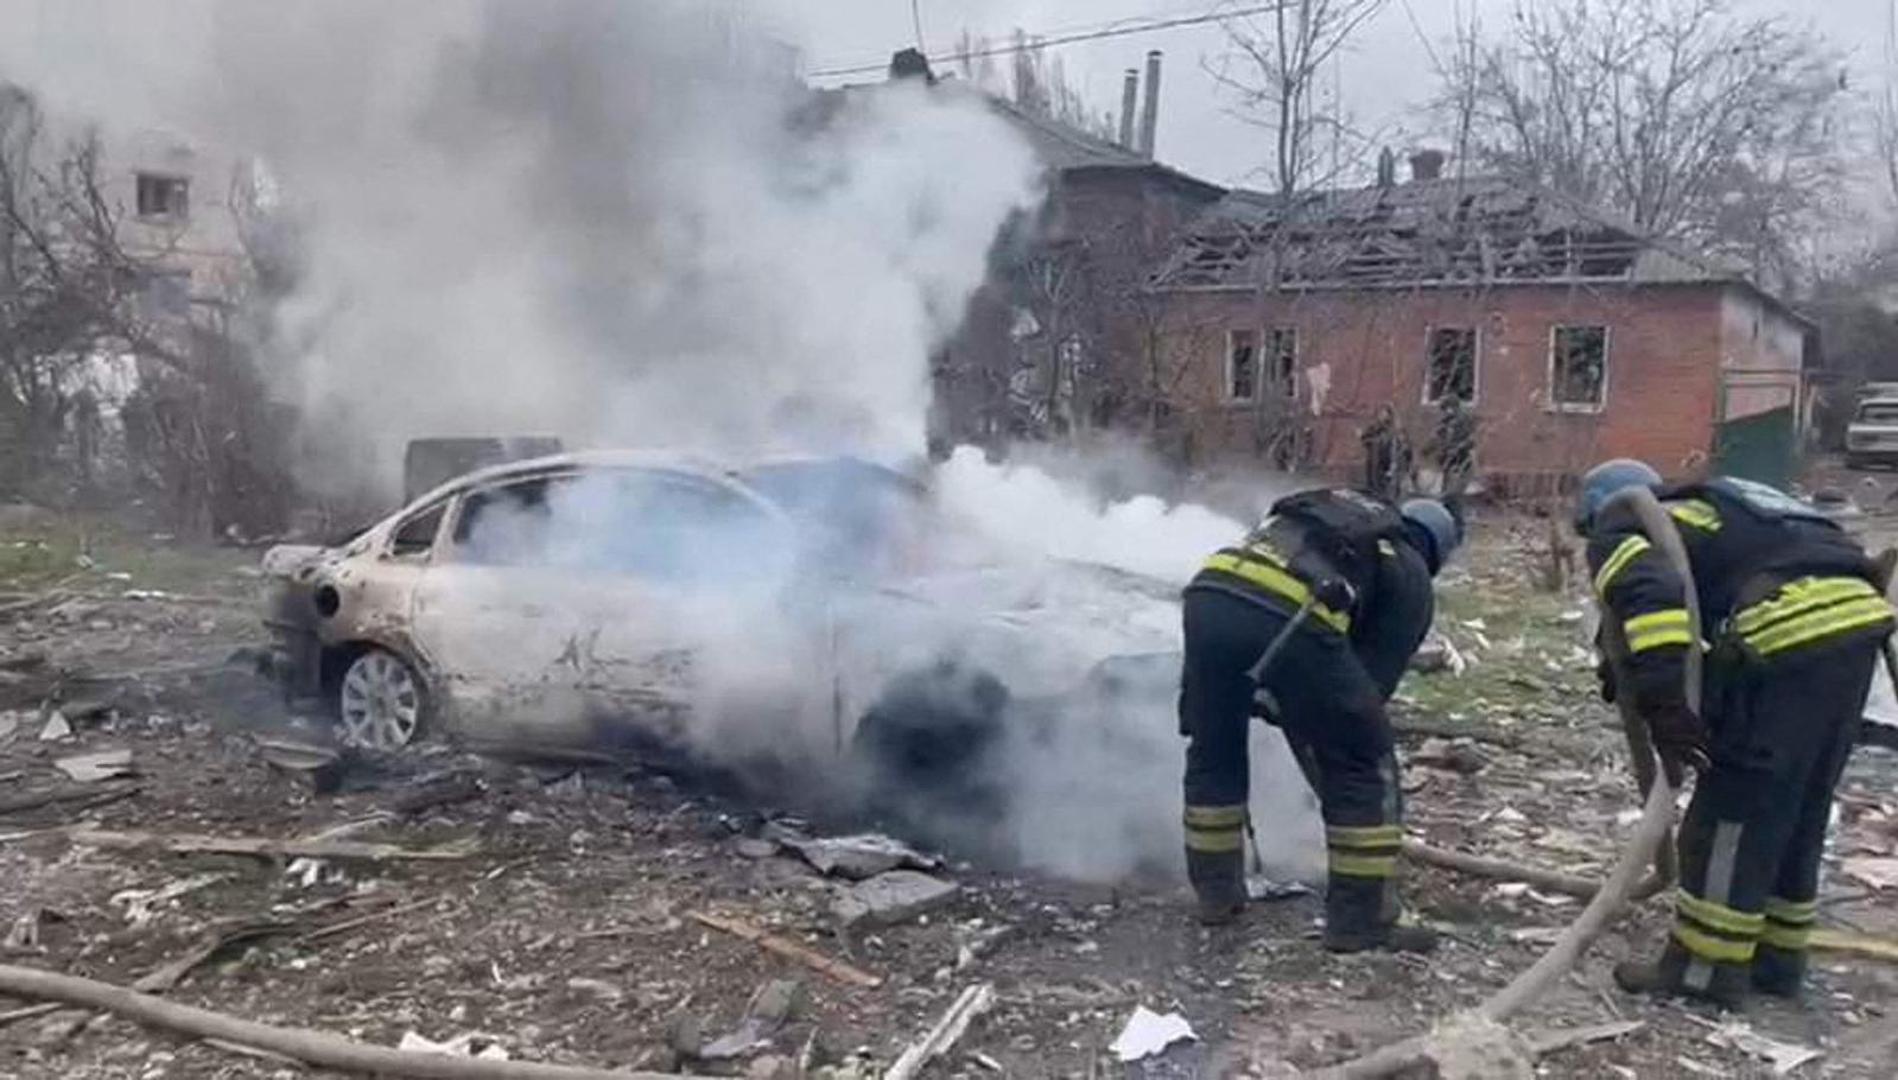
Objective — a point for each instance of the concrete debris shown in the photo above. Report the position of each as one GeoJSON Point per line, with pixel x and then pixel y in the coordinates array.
{"type": "Point", "coordinates": [862, 856]}
{"type": "Point", "coordinates": [1147, 1033]}
{"type": "Point", "coordinates": [891, 898]}
{"type": "Point", "coordinates": [141, 905]}
{"type": "Point", "coordinates": [25, 931]}
{"type": "Point", "coordinates": [771, 1006]}
{"type": "Point", "coordinates": [1459, 756]}
{"type": "Point", "coordinates": [1783, 1057]}
{"type": "Point", "coordinates": [472, 1044]}
{"type": "Point", "coordinates": [9, 723]}
{"type": "Point", "coordinates": [1878, 872]}
{"type": "Point", "coordinates": [1264, 888]}
{"type": "Point", "coordinates": [57, 728]}
{"type": "Point", "coordinates": [96, 766]}
{"type": "Point", "coordinates": [752, 847]}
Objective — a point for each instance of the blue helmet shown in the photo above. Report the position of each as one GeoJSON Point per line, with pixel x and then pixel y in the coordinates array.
{"type": "Point", "coordinates": [1439, 524]}
{"type": "Point", "coordinates": [1605, 481]}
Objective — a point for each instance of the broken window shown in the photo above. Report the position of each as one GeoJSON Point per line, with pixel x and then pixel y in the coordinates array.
{"type": "Point", "coordinates": [163, 197]}
{"type": "Point", "coordinates": [1242, 365]}
{"type": "Point", "coordinates": [1578, 368]}
{"type": "Point", "coordinates": [416, 536]}
{"type": "Point", "coordinates": [1451, 355]}
{"type": "Point", "coordinates": [1281, 349]}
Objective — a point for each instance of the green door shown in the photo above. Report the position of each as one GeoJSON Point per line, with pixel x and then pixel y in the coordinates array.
{"type": "Point", "coordinates": [1763, 446]}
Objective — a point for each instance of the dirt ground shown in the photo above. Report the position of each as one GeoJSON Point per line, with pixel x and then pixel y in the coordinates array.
{"type": "Point", "coordinates": [562, 928]}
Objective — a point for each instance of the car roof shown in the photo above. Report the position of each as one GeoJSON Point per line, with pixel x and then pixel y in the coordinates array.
{"type": "Point", "coordinates": [576, 461]}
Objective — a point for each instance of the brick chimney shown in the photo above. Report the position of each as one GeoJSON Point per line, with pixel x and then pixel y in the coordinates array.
{"type": "Point", "coordinates": [1426, 165]}
{"type": "Point", "coordinates": [1150, 109]}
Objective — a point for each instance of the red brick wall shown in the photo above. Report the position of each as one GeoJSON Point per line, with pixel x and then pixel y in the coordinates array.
{"type": "Point", "coordinates": [1664, 357]}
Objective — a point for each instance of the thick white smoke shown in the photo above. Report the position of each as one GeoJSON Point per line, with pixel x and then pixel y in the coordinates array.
{"type": "Point", "coordinates": [624, 223]}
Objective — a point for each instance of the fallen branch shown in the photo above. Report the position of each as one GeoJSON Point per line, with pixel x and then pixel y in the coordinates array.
{"type": "Point", "coordinates": [1865, 945]}
{"type": "Point", "coordinates": [790, 950]}
{"type": "Point", "coordinates": [346, 925]}
{"type": "Point", "coordinates": [1444, 729]}
{"type": "Point", "coordinates": [972, 1003]}
{"type": "Point", "coordinates": [190, 844]}
{"type": "Point", "coordinates": [88, 793]}
{"type": "Point", "coordinates": [29, 1012]}
{"type": "Point", "coordinates": [1502, 870]}
{"type": "Point", "coordinates": [316, 1048]}
{"type": "Point", "coordinates": [1549, 1042]}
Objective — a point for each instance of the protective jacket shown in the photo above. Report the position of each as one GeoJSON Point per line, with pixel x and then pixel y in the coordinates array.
{"type": "Point", "coordinates": [1773, 576]}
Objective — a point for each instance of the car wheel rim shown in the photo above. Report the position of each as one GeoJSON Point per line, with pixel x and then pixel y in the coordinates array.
{"type": "Point", "coordinates": [381, 703]}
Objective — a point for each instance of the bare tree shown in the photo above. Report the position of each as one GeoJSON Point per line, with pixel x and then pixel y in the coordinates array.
{"type": "Point", "coordinates": [1692, 121]}
{"type": "Point", "coordinates": [1273, 67]}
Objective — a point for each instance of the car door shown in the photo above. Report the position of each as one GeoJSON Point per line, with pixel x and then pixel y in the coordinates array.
{"type": "Point", "coordinates": [573, 612]}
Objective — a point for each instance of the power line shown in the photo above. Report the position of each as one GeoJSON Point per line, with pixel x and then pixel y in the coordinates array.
{"type": "Point", "coordinates": [1034, 45]}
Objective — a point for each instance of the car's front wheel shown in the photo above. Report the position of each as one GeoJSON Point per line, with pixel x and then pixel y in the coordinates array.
{"type": "Point", "coordinates": [382, 702]}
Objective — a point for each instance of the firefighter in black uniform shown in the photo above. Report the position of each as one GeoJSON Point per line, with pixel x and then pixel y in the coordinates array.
{"type": "Point", "coordinates": [1794, 625]}
{"type": "Point", "coordinates": [1310, 620]}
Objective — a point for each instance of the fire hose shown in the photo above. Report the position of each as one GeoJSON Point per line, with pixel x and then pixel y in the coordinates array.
{"type": "Point", "coordinates": [1643, 848]}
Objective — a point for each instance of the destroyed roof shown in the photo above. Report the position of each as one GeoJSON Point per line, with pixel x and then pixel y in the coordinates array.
{"type": "Point", "coordinates": [1452, 231]}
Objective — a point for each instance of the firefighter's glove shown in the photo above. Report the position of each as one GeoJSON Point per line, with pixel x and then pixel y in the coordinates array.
{"type": "Point", "coordinates": [1680, 739]}
{"type": "Point", "coordinates": [1605, 678]}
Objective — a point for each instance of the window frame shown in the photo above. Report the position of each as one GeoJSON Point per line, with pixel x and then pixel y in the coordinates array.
{"type": "Point", "coordinates": [1607, 355]}
{"type": "Point", "coordinates": [1226, 390]}
{"type": "Point", "coordinates": [446, 506]}
{"type": "Point", "coordinates": [1288, 382]}
{"type": "Point", "coordinates": [167, 181]}
{"type": "Point", "coordinates": [1476, 362]}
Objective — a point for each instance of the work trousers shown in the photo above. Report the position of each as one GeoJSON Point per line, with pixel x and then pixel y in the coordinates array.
{"type": "Point", "coordinates": [1330, 711]}
{"type": "Point", "coordinates": [1782, 730]}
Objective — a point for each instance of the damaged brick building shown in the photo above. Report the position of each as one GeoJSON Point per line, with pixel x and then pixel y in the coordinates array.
{"type": "Point", "coordinates": [1571, 337]}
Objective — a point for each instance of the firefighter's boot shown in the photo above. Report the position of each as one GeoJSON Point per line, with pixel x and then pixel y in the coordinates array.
{"type": "Point", "coordinates": [1360, 914]}
{"type": "Point", "coordinates": [1669, 977]}
{"type": "Point", "coordinates": [1219, 881]}
{"type": "Point", "coordinates": [1779, 972]}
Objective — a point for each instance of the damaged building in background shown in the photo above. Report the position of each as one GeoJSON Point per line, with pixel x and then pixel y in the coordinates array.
{"type": "Point", "coordinates": [1568, 336]}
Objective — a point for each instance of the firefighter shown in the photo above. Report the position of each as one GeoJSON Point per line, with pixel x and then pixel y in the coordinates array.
{"type": "Point", "coordinates": [1310, 621]}
{"type": "Point", "coordinates": [1794, 626]}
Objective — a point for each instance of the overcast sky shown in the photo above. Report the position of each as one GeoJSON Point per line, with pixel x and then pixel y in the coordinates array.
{"type": "Point", "coordinates": [1390, 69]}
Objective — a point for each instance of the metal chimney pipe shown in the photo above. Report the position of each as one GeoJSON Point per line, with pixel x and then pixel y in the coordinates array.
{"type": "Point", "coordinates": [1150, 111]}
{"type": "Point", "coordinates": [1129, 92]}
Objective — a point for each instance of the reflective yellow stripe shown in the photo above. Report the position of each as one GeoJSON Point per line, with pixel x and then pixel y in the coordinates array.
{"type": "Point", "coordinates": [1799, 597]}
{"type": "Point", "coordinates": [1214, 817]}
{"type": "Point", "coordinates": [1794, 913]}
{"type": "Point", "coordinates": [1618, 560]}
{"type": "Point", "coordinates": [1364, 836]}
{"type": "Point", "coordinates": [1718, 916]}
{"type": "Point", "coordinates": [1669, 626]}
{"type": "Point", "coordinates": [1379, 866]}
{"type": "Point", "coordinates": [1696, 512]}
{"type": "Point", "coordinates": [1790, 938]}
{"type": "Point", "coordinates": [1215, 840]}
{"type": "Point", "coordinates": [1709, 947]}
{"type": "Point", "coordinates": [1827, 622]}
{"type": "Point", "coordinates": [1280, 582]}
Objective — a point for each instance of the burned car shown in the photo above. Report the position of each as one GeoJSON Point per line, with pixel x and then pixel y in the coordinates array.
{"type": "Point", "coordinates": [601, 604]}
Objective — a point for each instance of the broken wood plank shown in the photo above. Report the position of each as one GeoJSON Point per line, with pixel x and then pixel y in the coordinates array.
{"type": "Point", "coordinates": [317, 1048]}
{"type": "Point", "coordinates": [972, 1003]}
{"type": "Point", "coordinates": [290, 848]}
{"type": "Point", "coordinates": [30, 1012]}
{"type": "Point", "coordinates": [167, 976]}
{"type": "Point", "coordinates": [790, 950]}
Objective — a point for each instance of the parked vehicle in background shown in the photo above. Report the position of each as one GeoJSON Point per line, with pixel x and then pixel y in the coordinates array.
{"type": "Point", "coordinates": [1871, 438]}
